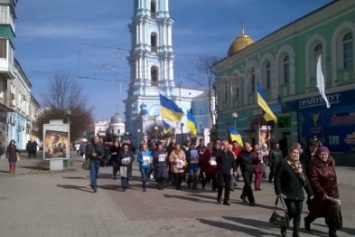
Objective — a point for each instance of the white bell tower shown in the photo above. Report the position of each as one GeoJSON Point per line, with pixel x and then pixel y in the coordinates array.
{"type": "Point", "coordinates": [151, 59]}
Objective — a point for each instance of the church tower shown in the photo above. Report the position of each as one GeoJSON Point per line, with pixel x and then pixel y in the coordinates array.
{"type": "Point", "coordinates": [151, 62]}
{"type": "Point", "coordinates": [151, 59]}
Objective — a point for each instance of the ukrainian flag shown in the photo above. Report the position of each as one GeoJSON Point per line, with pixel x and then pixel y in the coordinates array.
{"type": "Point", "coordinates": [167, 127]}
{"type": "Point", "coordinates": [191, 123]}
{"type": "Point", "coordinates": [235, 136]}
{"type": "Point", "coordinates": [170, 110]}
{"type": "Point", "coordinates": [260, 97]}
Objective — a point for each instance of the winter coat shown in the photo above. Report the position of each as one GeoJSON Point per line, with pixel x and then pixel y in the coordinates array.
{"type": "Point", "coordinates": [125, 154]}
{"type": "Point", "coordinates": [207, 167]}
{"type": "Point", "coordinates": [176, 157]}
{"type": "Point", "coordinates": [257, 161]}
{"type": "Point", "coordinates": [11, 153]}
{"type": "Point", "coordinates": [323, 180]}
{"type": "Point", "coordinates": [305, 159]}
{"type": "Point", "coordinates": [160, 164]}
{"type": "Point", "coordinates": [225, 162]}
{"type": "Point", "coordinates": [288, 183]}
{"type": "Point", "coordinates": [94, 148]}
{"type": "Point", "coordinates": [275, 157]}
{"type": "Point", "coordinates": [245, 161]}
{"type": "Point", "coordinates": [115, 152]}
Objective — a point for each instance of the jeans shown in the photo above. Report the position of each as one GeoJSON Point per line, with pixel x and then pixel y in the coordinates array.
{"type": "Point", "coordinates": [223, 181]}
{"type": "Point", "coordinates": [294, 210]}
{"type": "Point", "coordinates": [145, 175]}
{"type": "Point", "coordinates": [247, 191]}
{"type": "Point", "coordinates": [193, 178]}
{"type": "Point", "coordinates": [94, 172]}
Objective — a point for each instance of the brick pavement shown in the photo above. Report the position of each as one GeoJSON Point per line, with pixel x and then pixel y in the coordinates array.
{"type": "Point", "coordinates": [36, 203]}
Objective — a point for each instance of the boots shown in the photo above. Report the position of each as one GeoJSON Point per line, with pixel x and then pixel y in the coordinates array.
{"type": "Point", "coordinates": [332, 225]}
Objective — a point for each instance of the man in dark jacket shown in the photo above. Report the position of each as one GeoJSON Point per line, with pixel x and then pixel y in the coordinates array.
{"type": "Point", "coordinates": [245, 161]}
{"type": "Point", "coordinates": [94, 152]}
{"type": "Point", "coordinates": [225, 162]}
{"type": "Point", "coordinates": [308, 154]}
{"type": "Point", "coordinates": [275, 157]}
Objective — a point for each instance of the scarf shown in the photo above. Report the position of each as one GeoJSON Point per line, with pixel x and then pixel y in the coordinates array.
{"type": "Point", "coordinates": [297, 167]}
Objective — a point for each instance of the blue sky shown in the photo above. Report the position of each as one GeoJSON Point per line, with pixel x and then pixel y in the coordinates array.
{"type": "Point", "coordinates": [89, 40]}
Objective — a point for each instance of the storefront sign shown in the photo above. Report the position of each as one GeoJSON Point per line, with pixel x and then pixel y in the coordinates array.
{"type": "Point", "coordinates": [318, 101]}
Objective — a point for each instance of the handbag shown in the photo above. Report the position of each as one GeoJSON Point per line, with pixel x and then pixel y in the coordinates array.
{"type": "Point", "coordinates": [279, 219]}
{"type": "Point", "coordinates": [18, 157]}
{"type": "Point", "coordinates": [86, 165]}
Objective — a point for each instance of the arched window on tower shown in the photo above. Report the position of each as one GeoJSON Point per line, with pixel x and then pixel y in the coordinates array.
{"type": "Point", "coordinates": [153, 9]}
{"type": "Point", "coordinates": [154, 76]}
{"type": "Point", "coordinates": [252, 80]}
{"type": "Point", "coordinates": [153, 42]}
{"type": "Point", "coordinates": [348, 58]}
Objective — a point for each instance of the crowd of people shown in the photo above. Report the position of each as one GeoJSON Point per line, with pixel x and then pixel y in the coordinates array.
{"type": "Point", "coordinates": [221, 164]}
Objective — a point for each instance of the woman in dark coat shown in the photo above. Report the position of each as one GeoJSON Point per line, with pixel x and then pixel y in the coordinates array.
{"type": "Point", "coordinates": [115, 152]}
{"type": "Point", "coordinates": [125, 159]}
{"type": "Point", "coordinates": [11, 155]}
{"type": "Point", "coordinates": [161, 167]}
{"type": "Point", "coordinates": [326, 194]}
{"type": "Point", "coordinates": [290, 180]}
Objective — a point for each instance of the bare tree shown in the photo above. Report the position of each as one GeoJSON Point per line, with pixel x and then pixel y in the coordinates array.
{"type": "Point", "coordinates": [64, 94]}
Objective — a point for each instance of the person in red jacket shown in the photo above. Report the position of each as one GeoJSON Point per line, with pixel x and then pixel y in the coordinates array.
{"type": "Point", "coordinates": [236, 150]}
{"type": "Point", "coordinates": [209, 166]}
{"type": "Point", "coordinates": [258, 167]}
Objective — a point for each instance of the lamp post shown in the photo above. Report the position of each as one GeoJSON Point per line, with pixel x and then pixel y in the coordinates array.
{"type": "Point", "coordinates": [235, 116]}
{"type": "Point", "coordinates": [182, 133]}
{"type": "Point", "coordinates": [155, 131]}
{"type": "Point", "coordinates": [139, 137]}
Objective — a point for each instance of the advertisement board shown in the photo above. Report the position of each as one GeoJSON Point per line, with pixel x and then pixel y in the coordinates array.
{"type": "Point", "coordinates": [56, 141]}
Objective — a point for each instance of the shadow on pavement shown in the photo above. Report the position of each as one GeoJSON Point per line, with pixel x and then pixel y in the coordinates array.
{"type": "Point", "coordinates": [188, 198]}
{"type": "Point", "coordinates": [234, 227]}
{"type": "Point", "coordinates": [80, 188]}
{"type": "Point", "coordinates": [350, 231]}
{"type": "Point", "coordinates": [257, 205]}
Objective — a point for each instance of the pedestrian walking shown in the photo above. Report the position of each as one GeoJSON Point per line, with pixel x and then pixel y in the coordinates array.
{"type": "Point", "coordinates": [193, 166]}
{"type": "Point", "coordinates": [246, 163]}
{"type": "Point", "coordinates": [11, 155]}
{"type": "Point", "coordinates": [326, 201]}
{"type": "Point", "coordinates": [258, 167]}
{"type": "Point", "coordinates": [290, 180]}
{"type": "Point", "coordinates": [144, 160]}
{"type": "Point", "coordinates": [177, 161]}
{"type": "Point", "coordinates": [115, 152]}
{"type": "Point", "coordinates": [308, 154]}
{"type": "Point", "coordinates": [160, 165]}
{"type": "Point", "coordinates": [275, 157]}
{"type": "Point", "coordinates": [94, 152]}
{"type": "Point", "coordinates": [225, 162]}
{"type": "Point", "coordinates": [29, 149]}
{"type": "Point", "coordinates": [209, 166]}
{"type": "Point", "coordinates": [34, 147]}
{"type": "Point", "coordinates": [126, 158]}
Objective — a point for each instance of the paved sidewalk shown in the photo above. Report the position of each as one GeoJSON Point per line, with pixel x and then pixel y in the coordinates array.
{"type": "Point", "coordinates": [35, 203]}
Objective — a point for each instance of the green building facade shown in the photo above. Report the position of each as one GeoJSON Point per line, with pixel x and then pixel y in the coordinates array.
{"type": "Point", "coordinates": [285, 63]}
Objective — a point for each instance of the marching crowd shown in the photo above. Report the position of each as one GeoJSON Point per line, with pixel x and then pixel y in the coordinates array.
{"type": "Point", "coordinates": [218, 163]}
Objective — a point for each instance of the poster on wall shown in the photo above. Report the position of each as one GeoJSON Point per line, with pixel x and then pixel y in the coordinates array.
{"type": "Point", "coordinates": [56, 144]}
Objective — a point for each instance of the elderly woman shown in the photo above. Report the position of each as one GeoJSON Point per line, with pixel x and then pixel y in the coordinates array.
{"type": "Point", "coordinates": [177, 161]}
{"type": "Point", "coordinates": [11, 155]}
{"type": "Point", "coordinates": [326, 194]}
{"type": "Point", "coordinates": [161, 168]}
{"type": "Point", "coordinates": [290, 180]}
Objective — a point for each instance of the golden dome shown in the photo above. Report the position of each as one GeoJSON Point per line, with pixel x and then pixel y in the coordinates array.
{"type": "Point", "coordinates": [240, 43]}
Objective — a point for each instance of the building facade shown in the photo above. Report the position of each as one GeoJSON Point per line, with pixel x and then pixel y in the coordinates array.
{"type": "Point", "coordinates": [151, 61]}
{"type": "Point", "coordinates": [284, 63]}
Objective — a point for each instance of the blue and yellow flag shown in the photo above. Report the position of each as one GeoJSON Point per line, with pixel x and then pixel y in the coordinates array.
{"type": "Point", "coordinates": [170, 110]}
{"type": "Point", "coordinates": [191, 123]}
{"type": "Point", "coordinates": [260, 98]}
{"type": "Point", "coordinates": [235, 136]}
{"type": "Point", "coordinates": [167, 127]}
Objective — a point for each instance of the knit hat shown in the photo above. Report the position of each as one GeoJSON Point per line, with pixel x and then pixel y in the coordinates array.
{"type": "Point", "coordinates": [322, 149]}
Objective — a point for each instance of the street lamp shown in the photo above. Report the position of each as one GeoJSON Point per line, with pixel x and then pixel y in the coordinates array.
{"type": "Point", "coordinates": [156, 131]}
{"type": "Point", "coordinates": [139, 136]}
{"type": "Point", "coordinates": [235, 116]}
{"type": "Point", "coordinates": [182, 133]}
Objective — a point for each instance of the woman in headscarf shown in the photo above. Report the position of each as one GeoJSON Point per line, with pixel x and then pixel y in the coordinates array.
{"type": "Point", "coordinates": [126, 158]}
{"type": "Point", "coordinates": [177, 161]}
{"type": "Point", "coordinates": [290, 179]}
{"type": "Point", "coordinates": [11, 155]}
{"type": "Point", "coordinates": [160, 164]}
{"type": "Point", "coordinates": [326, 202]}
